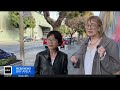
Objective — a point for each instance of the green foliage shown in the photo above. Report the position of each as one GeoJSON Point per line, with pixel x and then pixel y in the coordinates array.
{"type": "Point", "coordinates": [6, 61]}
{"type": "Point", "coordinates": [72, 14]}
{"type": "Point", "coordinates": [81, 31]}
{"type": "Point", "coordinates": [14, 18]}
{"type": "Point", "coordinates": [63, 29]}
{"type": "Point", "coordinates": [29, 22]}
{"type": "Point", "coordinates": [76, 20]}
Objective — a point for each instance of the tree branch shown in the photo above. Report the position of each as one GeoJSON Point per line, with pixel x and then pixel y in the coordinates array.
{"type": "Point", "coordinates": [62, 15]}
{"type": "Point", "coordinates": [47, 17]}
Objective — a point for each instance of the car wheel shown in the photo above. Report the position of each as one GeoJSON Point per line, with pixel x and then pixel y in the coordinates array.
{"type": "Point", "coordinates": [46, 47]}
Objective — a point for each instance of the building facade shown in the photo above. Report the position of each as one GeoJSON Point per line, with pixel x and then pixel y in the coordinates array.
{"type": "Point", "coordinates": [111, 25]}
{"type": "Point", "coordinates": [9, 33]}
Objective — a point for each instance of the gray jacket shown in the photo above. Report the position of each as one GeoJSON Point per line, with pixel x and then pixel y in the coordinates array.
{"type": "Point", "coordinates": [109, 65]}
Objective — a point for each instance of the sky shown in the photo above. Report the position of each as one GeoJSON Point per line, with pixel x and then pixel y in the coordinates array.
{"type": "Point", "coordinates": [54, 14]}
{"type": "Point", "coordinates": [96, 13]}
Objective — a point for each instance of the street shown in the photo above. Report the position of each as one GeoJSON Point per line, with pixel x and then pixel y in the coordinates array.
{"type": "Point", "coordinates": [15, 46]}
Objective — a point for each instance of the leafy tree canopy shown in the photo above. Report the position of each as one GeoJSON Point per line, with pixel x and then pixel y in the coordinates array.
{"type": "Point", "coordinates": [29, 22]}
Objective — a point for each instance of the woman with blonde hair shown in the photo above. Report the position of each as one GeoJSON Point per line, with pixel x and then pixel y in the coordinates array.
{"type": "Point", "coordinates": [98, 54]}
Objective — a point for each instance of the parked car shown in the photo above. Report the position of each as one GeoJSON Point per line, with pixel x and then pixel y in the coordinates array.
{"type": "Point", "coordinates": [67, 41]}
{"type": "Point", "coordinates": [63, 44]}
{"type": "Point", "coordinates": [45, 42]}
{"type": "Point", "coordinates": [27, 39]}
{"type": "Point", "coordinates": [6, 55]}
{"type": "Point", "coordinates": [74, 39]}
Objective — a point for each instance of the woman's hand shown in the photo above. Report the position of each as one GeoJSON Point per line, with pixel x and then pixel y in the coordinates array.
{"type": "Point", "coordinates": [101, 51]}
{"type": "Point", "coordinates": [117, 73]}
{"type": "Point", "coordinates": [73, 59]}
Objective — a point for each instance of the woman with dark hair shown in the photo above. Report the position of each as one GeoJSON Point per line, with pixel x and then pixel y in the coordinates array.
{"type": "Point", "coordinates": [52, 61]}
{"type": "Point", "coordinates": [98, 54]}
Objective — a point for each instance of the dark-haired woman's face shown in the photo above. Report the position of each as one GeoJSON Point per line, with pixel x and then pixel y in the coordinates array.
{"type": "Point", "coordinates": [52, 43]}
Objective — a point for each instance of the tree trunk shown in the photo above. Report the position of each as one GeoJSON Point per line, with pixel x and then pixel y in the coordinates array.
{"type": "Point", "coordinates": [71, 34]}
{"type": "Point", "coordinates": [55, 28]}
{"type": "Point", "coordinates": [21, 36]}
{"type": "Point", "coordinates": [32, 33]}
{"type": "Point", "coordinates": [55, 24]}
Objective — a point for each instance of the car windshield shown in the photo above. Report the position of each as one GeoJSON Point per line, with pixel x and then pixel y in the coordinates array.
{"type": "Point", "coordinates": [66, 38]}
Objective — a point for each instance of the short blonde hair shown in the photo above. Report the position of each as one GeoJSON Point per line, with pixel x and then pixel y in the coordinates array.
{"type": "Point", "coordinates": [98, 21]}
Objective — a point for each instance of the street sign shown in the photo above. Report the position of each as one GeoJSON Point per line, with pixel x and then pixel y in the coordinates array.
{"type": "Point", "coordinates": [27, 14]}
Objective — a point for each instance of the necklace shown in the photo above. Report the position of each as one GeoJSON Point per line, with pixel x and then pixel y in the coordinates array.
{"type": "Point", "coordinates": [94, 43]}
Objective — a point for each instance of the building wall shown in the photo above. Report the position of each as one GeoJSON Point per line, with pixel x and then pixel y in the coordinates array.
{"type": "Point", "coordinates": [40, 20]}
{"type": "Point", "coordinates": [7, 31]}
{"type": "Point", "coordinates": [111, 25]}
{"type": "Point", "coordinates": [10, 33]}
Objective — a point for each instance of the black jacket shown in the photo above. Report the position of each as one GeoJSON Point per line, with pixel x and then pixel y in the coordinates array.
{"type": "Point", "coordinates": [43, 64]}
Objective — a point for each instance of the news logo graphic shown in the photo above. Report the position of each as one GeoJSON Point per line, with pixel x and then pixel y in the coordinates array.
{"type": "Point", "coordinates": [7, 70]}
{"type": "Point", "coordinates": [22, 71]}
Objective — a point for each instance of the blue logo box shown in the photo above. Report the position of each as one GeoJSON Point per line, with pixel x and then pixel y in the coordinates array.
{"type": "Point", "coordinates": [22, 71]}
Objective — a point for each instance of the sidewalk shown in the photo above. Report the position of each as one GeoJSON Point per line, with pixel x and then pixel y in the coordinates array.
{"type": "Point", "coordinates": [9, 42]}
{"type": "Point", "coordinates": [16, 42]}
{"type": "Point", "coordinates": [71, 69]}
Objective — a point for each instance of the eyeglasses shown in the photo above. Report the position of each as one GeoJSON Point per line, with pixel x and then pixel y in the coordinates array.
{"type": "Point", "coordinates": [92, 26]}
{"type": "Point", "coordinates": [52, 40]}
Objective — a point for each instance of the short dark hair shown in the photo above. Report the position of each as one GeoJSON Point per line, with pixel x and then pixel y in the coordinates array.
{"type": "Point", "coordinates": [57, 35]}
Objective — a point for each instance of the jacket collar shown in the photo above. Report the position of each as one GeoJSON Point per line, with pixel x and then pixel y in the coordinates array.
{"type": "Point", "coordinates": [48, 51]}
{"type": "Point", "coordinates": [47, 55]}
{"type": "Point", "coordinates": [104, 41]}
{"type": "Point", "coordinates": [84, 46]}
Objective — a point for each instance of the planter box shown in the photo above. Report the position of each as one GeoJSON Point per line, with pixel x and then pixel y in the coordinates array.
{"type": "Point", "coordinates": [18, 63]}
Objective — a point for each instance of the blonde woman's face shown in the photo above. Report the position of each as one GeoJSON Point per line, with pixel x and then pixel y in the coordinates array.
{"type": "Point", "coordinates": [92, 28]}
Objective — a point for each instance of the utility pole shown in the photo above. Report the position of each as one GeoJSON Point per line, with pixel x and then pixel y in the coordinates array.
{"type": "Point", "coordinates": [21, 36]}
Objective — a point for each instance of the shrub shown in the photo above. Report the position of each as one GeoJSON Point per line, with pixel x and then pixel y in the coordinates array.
{"type": "Point", "coordinates": [4, 62]}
